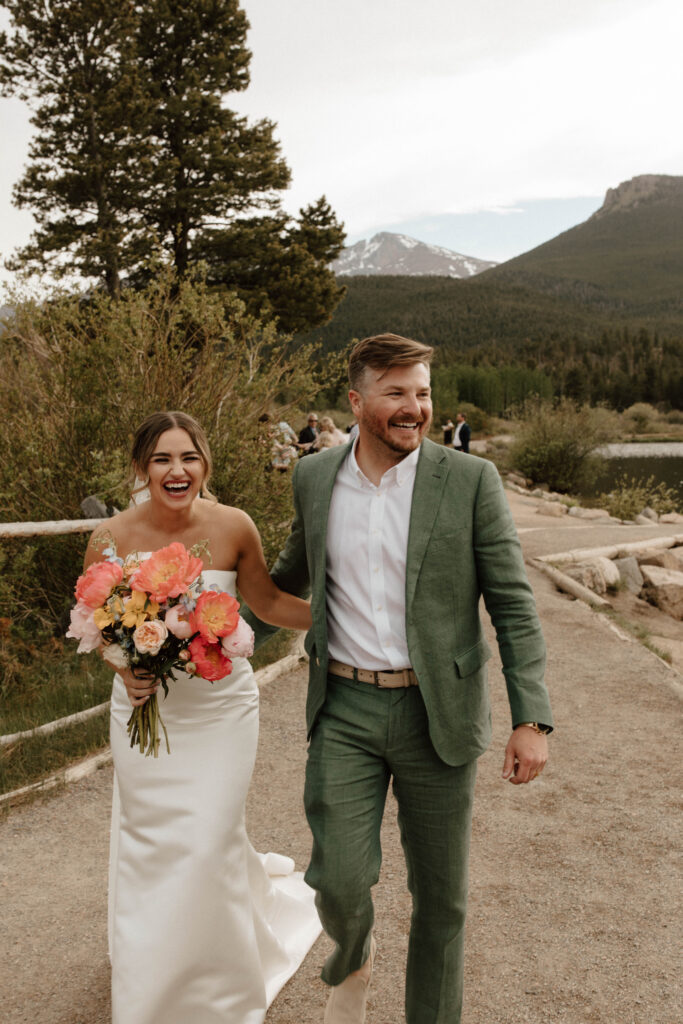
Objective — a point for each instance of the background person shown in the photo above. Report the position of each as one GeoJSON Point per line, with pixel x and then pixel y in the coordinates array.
{"type": "Point", "coordinates": [308, 435]}
{"type": "Point", "coordinates": [461, 441]}
{"type": "Point", "coordinates": [330, 435]}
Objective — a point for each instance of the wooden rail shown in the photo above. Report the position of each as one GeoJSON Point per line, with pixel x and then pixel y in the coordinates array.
{"type": "Point", "coordinates": [54, 529]}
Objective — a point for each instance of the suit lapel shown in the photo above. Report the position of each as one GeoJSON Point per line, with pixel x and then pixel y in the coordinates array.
{"type": "Point", "coordinates": [430, 478]}
{"type": "Point", "coordinates": [316, 525]}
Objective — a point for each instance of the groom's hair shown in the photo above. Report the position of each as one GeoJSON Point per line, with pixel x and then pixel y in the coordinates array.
{"type": "Point", "coordinates": [383, 351]}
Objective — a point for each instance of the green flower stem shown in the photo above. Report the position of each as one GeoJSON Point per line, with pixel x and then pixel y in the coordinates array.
{"type": "Point", "coordinates": [143, 728]}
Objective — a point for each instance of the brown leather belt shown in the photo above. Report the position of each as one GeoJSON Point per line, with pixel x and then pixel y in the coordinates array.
{"type": "Point", "coordinates": [390, 680]}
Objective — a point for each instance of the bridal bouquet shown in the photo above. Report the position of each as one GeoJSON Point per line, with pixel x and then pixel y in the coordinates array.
{"type": "Point", "coordinates": [153, 616]}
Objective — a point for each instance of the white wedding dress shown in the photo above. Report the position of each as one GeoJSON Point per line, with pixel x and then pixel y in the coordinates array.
{"type": "Point", "coordinates": [199, 930]}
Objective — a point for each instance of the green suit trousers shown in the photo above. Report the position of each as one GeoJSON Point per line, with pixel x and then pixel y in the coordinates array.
{"type": "Point", "coordinates": [365, 736]}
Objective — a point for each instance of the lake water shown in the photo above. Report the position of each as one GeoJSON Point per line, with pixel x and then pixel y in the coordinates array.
{"type": "Point", "coordinates": [661, 460]}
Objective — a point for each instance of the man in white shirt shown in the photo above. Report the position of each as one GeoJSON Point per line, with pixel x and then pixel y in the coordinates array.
{"type": "Point", "coordinates": [397, 538]}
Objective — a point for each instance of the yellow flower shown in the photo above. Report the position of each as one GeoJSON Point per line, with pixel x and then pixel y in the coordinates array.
{"type": "Point", "coordinates": [109, 613]}
{"type": "Point", "coordinates": [137, 608]}
{"type": "Point", "coordinates": [102, 617]}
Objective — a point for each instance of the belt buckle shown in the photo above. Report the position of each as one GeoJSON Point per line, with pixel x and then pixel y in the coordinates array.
{"type": "Point", "coordinates": [378, 684]}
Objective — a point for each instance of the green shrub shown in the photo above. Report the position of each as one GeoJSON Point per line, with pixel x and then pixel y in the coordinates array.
{"type": "Point", "coordinates": [76, 377]}
{"type": "Point", "coordinates": [630, 496]}
{"type": "Point", "coordinates": [640, 417]}
{"type": "Point", "coordinates": [556, 443]}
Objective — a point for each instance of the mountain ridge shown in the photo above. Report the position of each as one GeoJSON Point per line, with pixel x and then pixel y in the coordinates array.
{"type": "Point", "coordinates": [391, 253]}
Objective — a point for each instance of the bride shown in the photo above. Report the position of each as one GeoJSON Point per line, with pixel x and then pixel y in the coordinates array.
{"type": "Point", "coordinates": [198, 931]}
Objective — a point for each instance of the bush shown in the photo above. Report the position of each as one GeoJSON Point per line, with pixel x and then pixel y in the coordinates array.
{"type": "Point", "coordinates": [639, 417]}
{"type": "Point", "coordinates": [556, 443]}
{"type": "Point", "coordinates": [630, 496]}
{"type": "Point", "coordinates": [77, 377]}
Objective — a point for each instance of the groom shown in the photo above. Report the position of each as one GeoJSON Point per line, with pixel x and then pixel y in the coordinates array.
{"type": "Point", "coordinates": [397, 538]}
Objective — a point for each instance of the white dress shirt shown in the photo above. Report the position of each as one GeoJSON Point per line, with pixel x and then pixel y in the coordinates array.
{"type": "Point", "coordinates": [367, 543]}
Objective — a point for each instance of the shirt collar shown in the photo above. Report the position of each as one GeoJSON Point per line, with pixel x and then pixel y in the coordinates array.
{"type": "Point", "coordinates": [403, 472]}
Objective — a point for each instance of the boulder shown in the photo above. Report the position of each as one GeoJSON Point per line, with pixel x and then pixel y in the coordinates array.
{"type": "Point", "coordinates": [650, 513]}
{"type": "Point", "coordinates": [93, 508]}
{"type": "Point", "coordinates": [516, 478]}
{"type": "Point", "coordinates": [677, 555]}
{"type": "Point", "coordinates": [664, 587]}
{"type": "Point", "coordinates": [664, 559]}
{"type": "Point", "coordinates": [630, 573]}
{"type": "Point", "coordinates": [589, 513]}
{"type": "Point", "coordinates": [642, 520]}
{"type": "Point", "coordinates": [588, 574]}
{"type": "Point", "coordinates": [608, 569]}
{"type": "Point", "coordinates": [671, 517]}
{"type": "Point", "coordinates": [551, 509]}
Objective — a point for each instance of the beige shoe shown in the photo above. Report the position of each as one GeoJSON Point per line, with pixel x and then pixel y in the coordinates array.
{"type": "Point", "coordinates": [346, 1003]}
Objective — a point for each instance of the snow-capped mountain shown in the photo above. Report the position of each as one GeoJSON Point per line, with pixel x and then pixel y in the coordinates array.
{"type": "Point", "coordinates": [389, 253]}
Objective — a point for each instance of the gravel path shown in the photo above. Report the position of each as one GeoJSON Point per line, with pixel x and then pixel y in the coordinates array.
{"type": "Point", "coordinates": [574, 880]}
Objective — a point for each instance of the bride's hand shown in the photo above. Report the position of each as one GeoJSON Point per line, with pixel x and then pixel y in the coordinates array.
{"type": "Point", "coordinates": [139, 687]}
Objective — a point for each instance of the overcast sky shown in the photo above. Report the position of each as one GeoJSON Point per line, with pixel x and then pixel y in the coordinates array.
{"type": "Point", "coordinates": [403, 113]}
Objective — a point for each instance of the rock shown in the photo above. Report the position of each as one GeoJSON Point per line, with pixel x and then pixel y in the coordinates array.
{"type": "Point", "coordinates": [671, 517]}
{"type": "Point", "coordinates": [664, 559]}
{"type": "Point", "coordinates": [588, 574]}
{"type": "Point", "coordinates": [677, 555]}
{"type": "Point", "coordinates": [538, 493]}
{"type": "Point", "coordinates": [551, 509]}
{"type": "Point", "coordinates": [608, 569]}
{"type": "Point", "coordinates": [589, 513]}
{"type": "Point", "coordinates": [516, 478]}
{"type": "Point", "coordinates": [630, 573]}
{"type": "Point", "coordinates": [642, 520]}
{"type": "Point", "coordinates": [650, 513]}
{"type": "Point", "coordinates": [664, 587]}
{"type": "Point", "coordinates": [93, 508]}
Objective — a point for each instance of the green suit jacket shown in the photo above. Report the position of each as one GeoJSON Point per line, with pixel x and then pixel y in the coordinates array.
{"type": "Point", "coordinates": [462, 544]}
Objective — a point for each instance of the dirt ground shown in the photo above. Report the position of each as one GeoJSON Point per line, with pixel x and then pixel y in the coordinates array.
{"type": "Point", "coordinates": [574, 880]}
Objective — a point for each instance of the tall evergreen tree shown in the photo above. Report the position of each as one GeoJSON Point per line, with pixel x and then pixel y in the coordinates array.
{"type": "Point", "coordinates": [74, 62]}
{"type": "Point", "coordinates": [140, 156]}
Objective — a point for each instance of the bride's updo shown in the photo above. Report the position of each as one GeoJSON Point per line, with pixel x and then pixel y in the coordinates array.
{"type": "Point", "coordinates": [148, 434]}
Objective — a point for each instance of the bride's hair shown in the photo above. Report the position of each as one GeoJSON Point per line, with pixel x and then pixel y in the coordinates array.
{"type": "Point", "coordinates": [149, 432]}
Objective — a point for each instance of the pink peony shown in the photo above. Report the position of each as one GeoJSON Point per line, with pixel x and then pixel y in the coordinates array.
{"type": "Point", "coordinates": [208, 659]}
{"type": "Point", "coordinates": [167, 572]}
{"type": "Point", "coordinates": [83, 628]}
{"type": "Point", "coordinates": [239, 643]}
{"type": "Point", "coordinates": [150, 636]}
{"type": "Point", "coordinates": [97, 582]}
{"type": "Point", "coordinates": [215, 615]}
{"type": "Point", "coordinates": [178, 622]}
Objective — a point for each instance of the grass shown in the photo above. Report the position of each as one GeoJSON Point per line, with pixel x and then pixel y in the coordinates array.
{"type": "Point", "coordinates": [58, 682]}
{"type": "Point", "coordinates": [636, 630]}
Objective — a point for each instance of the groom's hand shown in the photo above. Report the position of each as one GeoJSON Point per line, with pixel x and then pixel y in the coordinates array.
{"type": "Point", "coordinates": [525, 755]}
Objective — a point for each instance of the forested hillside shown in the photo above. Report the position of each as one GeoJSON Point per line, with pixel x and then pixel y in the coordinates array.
{"type": "Point", "coordinates": [598, 311]}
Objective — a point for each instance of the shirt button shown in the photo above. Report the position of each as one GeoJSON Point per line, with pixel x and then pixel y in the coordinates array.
{"type": "Point", "coordinates": [379, 608]}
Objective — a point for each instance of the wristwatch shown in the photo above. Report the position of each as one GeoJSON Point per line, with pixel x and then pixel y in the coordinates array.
{"type": "Point", "coordinates": [542, 730]}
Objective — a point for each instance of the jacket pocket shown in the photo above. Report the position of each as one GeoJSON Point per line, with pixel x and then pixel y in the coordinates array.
{"type": "Point", "coordinates": [473, 659]}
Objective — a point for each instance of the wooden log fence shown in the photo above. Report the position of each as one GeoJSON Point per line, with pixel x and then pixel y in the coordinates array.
{"type": "Point", "coordinates": [52, 529]}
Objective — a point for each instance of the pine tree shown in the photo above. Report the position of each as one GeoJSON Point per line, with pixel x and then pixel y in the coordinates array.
{"type": "Point", "coordinates": [89, 156]}
{"type": "Point", "coordinates": [138, 157]}
{"type": "Point", "coordinates": [277, 266]}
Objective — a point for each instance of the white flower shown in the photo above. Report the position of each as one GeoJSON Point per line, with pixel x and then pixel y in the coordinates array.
{"type": "Point", "coordinates": [115, 656]}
